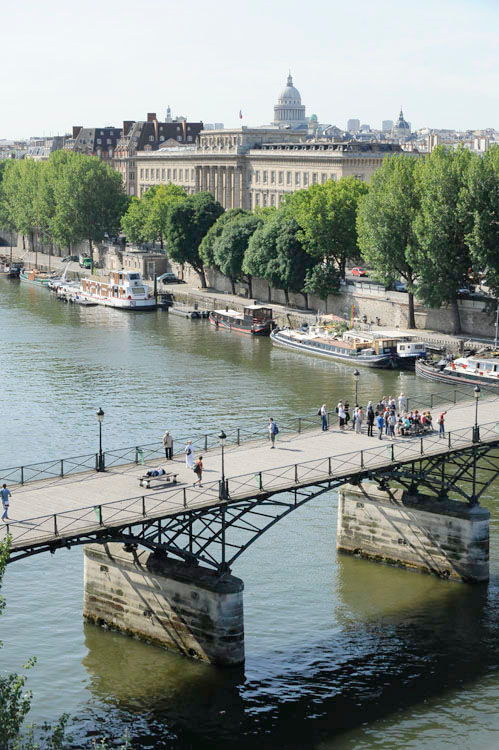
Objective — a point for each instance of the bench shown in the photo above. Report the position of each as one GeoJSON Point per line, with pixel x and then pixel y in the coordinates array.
{"type": "Point", "coordinates": [145, 481]}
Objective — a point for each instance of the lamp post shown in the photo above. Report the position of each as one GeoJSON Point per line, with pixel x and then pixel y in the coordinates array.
{"type": "Point", "coordinates": [222, 488]}
{"type": "Point", "coordinates": [100, 459]}
{"type": "Point", "coordinates": [476, 429]}
{"type": "Point", "coordinates": [356, 375]}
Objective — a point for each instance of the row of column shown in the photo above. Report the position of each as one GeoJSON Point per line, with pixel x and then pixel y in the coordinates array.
{"type": "Point", "coordinates": [224, 183]}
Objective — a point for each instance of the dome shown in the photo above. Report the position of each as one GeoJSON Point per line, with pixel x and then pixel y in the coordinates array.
{"type": "Point", "coordinates": [401, 123]}
{"type": "Point", "coordinates": [289, 112]}
{"type": "Point", "coordinates": [289, 95]}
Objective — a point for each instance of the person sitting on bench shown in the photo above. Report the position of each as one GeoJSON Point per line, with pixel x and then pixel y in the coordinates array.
{"type": "Point", "coordinates": [155, 473]}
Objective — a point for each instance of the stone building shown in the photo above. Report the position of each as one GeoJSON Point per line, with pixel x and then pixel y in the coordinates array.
{"type": "Point", "coordinates": [99, 142]}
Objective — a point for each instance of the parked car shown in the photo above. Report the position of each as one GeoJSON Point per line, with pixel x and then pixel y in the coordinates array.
{"type": "Point", "coordinates": [358, 271]}
{"type": "Point", "coordinates": [400, 286]}
{"type": "Point", "coordinates": [69, 259]}
{"type": "Point", "coordinates": [170, 278]}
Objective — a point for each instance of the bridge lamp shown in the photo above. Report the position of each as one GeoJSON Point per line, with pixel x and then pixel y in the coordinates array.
{"type": "Point", "coordinates": [222, 489]}
{"type": "Point", "coordinates": [356, 375]}
{"type": "Point", "coordinates": [100, 459]}
{"type": "Point", "coordinates": [476, 431]}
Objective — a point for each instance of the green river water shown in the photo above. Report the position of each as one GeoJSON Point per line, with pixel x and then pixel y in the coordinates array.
{"type": "Point", "coordinates": [340, 653]}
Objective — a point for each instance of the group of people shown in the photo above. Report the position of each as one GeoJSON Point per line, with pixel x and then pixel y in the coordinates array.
{"type": "Point", "coordinates": [389, 416]}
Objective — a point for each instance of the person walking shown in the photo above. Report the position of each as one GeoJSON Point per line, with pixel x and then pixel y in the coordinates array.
{"type": "Point", "coordinates": [392, 421]}
{"type": "Point", "coordinates": [380, 422]}
{"type": "Point", "coordinates": [370, 419]}
{"type": "Point", "coordinates": [5, 493]}
{"type": "Point", "coordinates": [341, 416]}
{"type": "Point", "coordinates": [198, 470]}
{"type": "Point", "coordinates": [273, 430]}
{"type": "Point", "coordinates": [354, 416]}
{"type": "Point", "coordinates": [189, 455]}
{"type": "Point", "coordinates": [402, 403]}
{"type": "Point", "coordinates": [168, 446]}
{"type": "Point", "coordinates": [441, 425]}
{"type": "Point", "coordinates": [324, 417]}
{"type": "Point", "coordinates": [359, 418]}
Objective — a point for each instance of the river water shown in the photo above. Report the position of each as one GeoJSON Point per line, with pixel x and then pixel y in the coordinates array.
{"type": "Point", "coordinates": [340, 653]}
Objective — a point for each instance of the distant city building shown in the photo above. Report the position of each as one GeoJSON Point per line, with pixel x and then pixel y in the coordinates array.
{"type": "Point", "coordinates": [365, 128]}
{"type": "Point", "coordinates": [353, 126]}
{"type": "Point", "coordinates": [213, 126]}
{"type": "Point", "coordinates": [41, 148]}
{"type": "Point", "coordinates": [402, 129]}
{"type": "Point", "coordinates": [289, 112]}
{"type": "Point", "coordinates": [386, 126]}
{"type": "Point", "coordinates": [99, 142]}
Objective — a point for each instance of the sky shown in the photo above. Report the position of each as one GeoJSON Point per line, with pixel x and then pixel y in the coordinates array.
{"type": "Point", "coordinates": [99, 63]}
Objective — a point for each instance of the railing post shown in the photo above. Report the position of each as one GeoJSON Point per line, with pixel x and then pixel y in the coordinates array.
{"type": "Point", "coordinates": [455, 396]}
{"type": "Point", "coordinates": [62, 468]}
{"type": "Point", "coordinates": [407, 405]}
{"type": "Point", "coordinates": [136, 455]}
{"type": "Point", "coordinates": [329, 470]}
{"type": "Point", "coordinates": [448, 439]}
{"type": "Point", "coordinates": [362, 459]}
{"type": "Point", "coordinates": [422, 447]}
{"type": "Point", "coordinates": [431, 400]}
{"type": "Point", "coordinates": [299, 425]}
{"type": "Point", "coordinates": [143, 506]}
{"type": "Point", "coordinates": [392, 457]}
{"type": "Point", "coordinates": [55, 525]}
{"type": "Point", "coordinates": [260, 482]}
{"type": "Point", "coordinates": [185, 498]}
{"type": "Point", "coordinates": [296, 473]}
{"type": "Point", "coordinates": [206, 442]}
{"type": "Point", "coordinates": [96, 462]}
{"type": "Point", "coordinates": [22, 474]}
{"type": "Point", "coordinates": [101, 522]}
{"type": "Point", "coordinates": [239, 436]}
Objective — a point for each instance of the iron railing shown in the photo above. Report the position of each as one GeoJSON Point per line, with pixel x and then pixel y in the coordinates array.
{"type": "Point", "coordinates": [130, 511]}
{"type": "Point", "coordinates": [59, 468]}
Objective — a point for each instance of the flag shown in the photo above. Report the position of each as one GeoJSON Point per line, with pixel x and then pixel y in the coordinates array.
{"type": "Point", "coordinates": [240, 115]}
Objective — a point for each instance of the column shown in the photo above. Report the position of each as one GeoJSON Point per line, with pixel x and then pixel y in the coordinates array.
{"type": "Point", "coordinates": [212, 181]}
{"type": "Point", "coordinates": [163, 601]}
{"type": "Point", "coordinates": [220, 172]}
{"type": "Point", "coordinates": [197, 187]}
{"type": "Point", "coordinates": [419, 532]}
{"type": "Point", "coordinates": [204, 178]}
{"type": "Point", "coordinates": [237, 188]}
{"type": "Point", "coordinates": [228, 188]}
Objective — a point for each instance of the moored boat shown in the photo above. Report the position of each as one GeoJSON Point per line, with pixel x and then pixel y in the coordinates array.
{"type": "Point", "coordinates": [479, 369]}
{"type": "Point", "coordinates": [350, 349]}
{"type": "Point", "coordinates": [254, 320]}
{"type": "Point", "coordinates": [35, 277]}
{"type": "Point", "coordinates": [123, 289]}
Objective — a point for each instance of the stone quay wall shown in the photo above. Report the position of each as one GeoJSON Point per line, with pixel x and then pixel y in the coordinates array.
{"type": "Point", "coordinates": [165, 602]}
{"type": "Point", "coordinates": [442, 537]}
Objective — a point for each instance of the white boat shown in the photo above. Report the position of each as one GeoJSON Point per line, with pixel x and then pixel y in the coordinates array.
{"type": "Point", "coordinates": [123, 289]}
{"type": "Point", "coordinates": [480, 369]}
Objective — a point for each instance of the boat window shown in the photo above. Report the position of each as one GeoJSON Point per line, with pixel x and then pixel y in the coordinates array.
{"type": "Point", "coordinates": [133, 276]}
{"type": "Point", "coordinates": [138, 290]}
{"type": "Point", "coordinates": [402, 347]}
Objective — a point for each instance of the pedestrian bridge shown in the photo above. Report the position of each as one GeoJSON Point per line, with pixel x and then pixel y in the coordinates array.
{"type": "Point", "coordinates": [259, 486]}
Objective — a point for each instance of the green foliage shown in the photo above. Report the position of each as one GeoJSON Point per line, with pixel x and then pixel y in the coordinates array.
{"type": "Point", "coordinates": [208, 241]}
{"type": "Point", "coordinates": [326, 215]}
{"type": "Point", "coordinates": [230, 245]}
{"type": "Point", "coordinates": [188, 222]}
{"type": "Point", "coordinates": [157, 201]}
{"type": "Point", "coordinates": [322, 280]}
{"type": "Point", "coordinates": [134, 220]}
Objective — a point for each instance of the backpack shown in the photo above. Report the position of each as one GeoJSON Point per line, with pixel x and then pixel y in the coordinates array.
{"type": "Point", "coordinates": [319, 411]}
{"type": "Point", "coordinates": [276, 429]}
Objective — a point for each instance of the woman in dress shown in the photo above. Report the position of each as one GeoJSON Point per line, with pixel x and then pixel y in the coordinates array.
{"type": "Point", "coordinates": [189, 455]}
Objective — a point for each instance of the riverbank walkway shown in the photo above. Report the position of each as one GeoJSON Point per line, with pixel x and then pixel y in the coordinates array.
{"type": "Point", "coordinates": [58, 507]}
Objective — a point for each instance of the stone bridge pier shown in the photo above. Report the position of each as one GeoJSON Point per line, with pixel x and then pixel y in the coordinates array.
{"type": "Point", "coordinates": [185, 608]}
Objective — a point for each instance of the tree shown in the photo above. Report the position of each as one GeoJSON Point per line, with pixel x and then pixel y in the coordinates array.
{"type": "Point", "coordinates": [230, 246]}
{"type": "Point", "coordinates": [26, 209]}
{"type": "Point", "coordinates": [482, 200]}
{"type": "Point", "coordinates": [188, 222]}
{"type": "Point", "coordinates": [206, 246]}
{"type": "Point", "coordinates": [327, 216]}
{"type": "Point", "coordinates": [290, 266]}
{"type": "Point", "coordinates": [262, 250]}
{"type": "Point", "coordinates": [385, 224]}
{"type": "Point", "coordinates": [157, 201]}
{"type": "Point", "coordinates": [133, 221]}
{"type": "Point", "coordinates": [322, 280]}
{"type": "Point", "coordinates": [442, 225]}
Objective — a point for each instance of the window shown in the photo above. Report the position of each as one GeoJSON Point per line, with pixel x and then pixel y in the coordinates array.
{"type": "Point", "coordinates": [314, 178]}
{"type": "Point", "coordinates": [180, 174]}
{"type": "Point", "coordinates": [188, 128]}
{"type": "Point", "coordinates": [147, 174]}
{"type": "Point", "coordinates": [141, 174]}
{"type": "Point", "coordinates": [161, 138]}
{"type": "Point", "coordinates": [168, 174]}
{"type": "Point", "coordinates": [132, 175]}
{"type": "Point", "coordinates": [157, 174]}
{"type": "Point", "coordinates": [288, 178]}
{"type": "Point", "coordinates": [264, 199]}
{"type": "Point", "coordinates": [257, 199]}
{"type": "Point", "coordinates": [323, 178]}
{"type": "Point", "coordinates": [305, 179]}
{"type": "Point", "coordinates": [272, 199]}
{"type": "Point", "coordinates": [272, 178]}
{"type": "Point", "coordinates": [265, 175]}
{"type": "Point", "coordinates": [281, 178]}
{"type": "Point", "coordinates": [163, 174]}
{"type": "Point", "coordinates": [108, 141]}
{"type": "Point", "coordinates": [179, 137]}
{"type": "Point", "coordinates": [151, 138]}
{"type": "Point", "coordinates": [257, 176]}
{"type": "Point", "coordinates": [192, 175]}
{"type": "Point", "coordinates": [102, 132]}
{"type": "Point", "coordinates": [297, 178]}
{"type": "Point", "coordinates": [99, 141]}
{"type": "Point", "coordinates": [189, 138]}
{"type": "Point", "coordinates": [174, 174]}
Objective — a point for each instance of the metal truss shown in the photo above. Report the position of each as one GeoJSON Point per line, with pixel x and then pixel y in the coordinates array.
{"type": "Point", "coordinates": [217, 536]}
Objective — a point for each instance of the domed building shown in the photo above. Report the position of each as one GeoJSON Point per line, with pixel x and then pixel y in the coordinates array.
{"type": "Point", "coordinates": [289, 112]}
{"type": "Point", "coordinates": [401, 130]}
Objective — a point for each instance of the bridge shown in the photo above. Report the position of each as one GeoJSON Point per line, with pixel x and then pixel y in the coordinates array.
{"type": "Point", "coordinates": [199, 532]}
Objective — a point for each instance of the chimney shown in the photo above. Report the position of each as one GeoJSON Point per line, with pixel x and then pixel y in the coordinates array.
{"type": "Point", "coordinates": [151, 116]}
{"type": "Point", "coordinates": [76, 130]}
{"type": "Point", "coordinates": [127, 124]}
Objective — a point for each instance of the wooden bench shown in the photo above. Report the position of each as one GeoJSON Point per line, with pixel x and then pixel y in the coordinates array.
{"type": "Point", "coordinates": [145, 481]}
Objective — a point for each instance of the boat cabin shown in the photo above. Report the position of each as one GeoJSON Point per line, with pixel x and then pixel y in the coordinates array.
{"type": "Point", "coordinates": [120, 285]}
{"type": "Point", "coordinates": [257, 312]}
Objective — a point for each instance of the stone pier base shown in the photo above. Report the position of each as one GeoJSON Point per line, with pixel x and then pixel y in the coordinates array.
{"type": "Point", "coordinates": [442, 537]}
{"type": "Point", "coordinates": [165, 602]}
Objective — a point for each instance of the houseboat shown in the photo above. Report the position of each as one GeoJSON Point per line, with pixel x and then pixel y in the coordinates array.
{"type": "Point", "coordinates": [123, 289]}
{"type": "Point", "coordinates": [35, 277]}
{"type": "Point", "coordinates": [406, 347]}
{"type": "Point", "coordinates": [351, 348]}
{"type": "Point", "coordinates": [255, 320]}
{"type": "Point", "coordinates": [480, 369]}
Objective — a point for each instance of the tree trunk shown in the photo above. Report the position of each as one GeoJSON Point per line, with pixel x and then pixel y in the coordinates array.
{"type": "Point", "coordinates": [412, 317]}
{"type": "Point", "coordinates": [286, 296]}
{"type": "Point", "coordinates": [343, 263]}
{"type": "Point", "coordinates": [161, 242]}
{"type": "Point", "coordinates": [24, 242]}
{"type": "Point", "coordinates": [250, 286]}
{"type": "Point", "coordinates": [270, 293]}
{"type": "Point", "coordinates": [202, 277]}
{"type": "Point", "coordinates": [456, 318]}
{"type": "Point", "coordinates": [233, 285]}
{"type": "Point", "coordinates": [305, 297]}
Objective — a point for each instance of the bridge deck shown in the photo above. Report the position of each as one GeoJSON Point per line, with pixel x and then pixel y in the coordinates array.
{"type": "Point", "coordinates": [51, 508]}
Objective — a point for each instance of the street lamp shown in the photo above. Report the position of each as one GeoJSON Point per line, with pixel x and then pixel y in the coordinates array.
{"type": "Point", "coordinates": [476, 430]}
{"type": "Point", "coordinates": [100, 459]}
{"type": "Point", "coordinates": [222, 488]}
{"type": "Point", "coordinates": [356, 375]}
